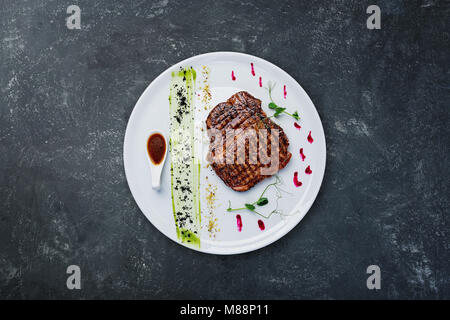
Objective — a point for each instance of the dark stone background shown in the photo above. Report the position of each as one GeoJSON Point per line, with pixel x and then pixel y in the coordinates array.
{"type": "Point", "coordinates": [66, 96]}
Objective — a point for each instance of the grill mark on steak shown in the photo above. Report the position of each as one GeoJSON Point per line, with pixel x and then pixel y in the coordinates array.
{"type": "Point", "coordinates": [242, 111]}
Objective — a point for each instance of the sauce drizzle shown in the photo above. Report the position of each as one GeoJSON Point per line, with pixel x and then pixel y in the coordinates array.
{"type": "Point", "coordinates": [261, 225]}
{"type": "Point", "coordinates": [232, 76]}
{"type": "Point", "coordinates": [302, 154]}
{"type": "Point", "coordinates": [260, 82]}
{"type": "Point", "coordinates": [297, 125]}
{"type": "Point", "coordinates": [284, 91]}
{"type": "Point", "coordinates": [156, 148]}
{"type": "Point", "coordinates": [297, 183]}
{"type": "Point", "coordinates": [310, 138]}
{"type": "Point", "coordinates": [308, 170]}
{"type": "Point", "coordinates": [253, 69]}
{"type": "Point", "coordinates": [239, 222]}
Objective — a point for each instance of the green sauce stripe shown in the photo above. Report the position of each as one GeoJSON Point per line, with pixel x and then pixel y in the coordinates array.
{"type": "Point", "coordinates": [186, 78]}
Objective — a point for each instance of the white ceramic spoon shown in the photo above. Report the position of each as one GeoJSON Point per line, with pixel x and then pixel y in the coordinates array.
{"type": "Point", "coordinates": [156, 169]}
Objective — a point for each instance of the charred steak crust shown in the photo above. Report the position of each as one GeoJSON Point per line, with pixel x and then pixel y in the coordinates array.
{"type": "Point", "coordinates": [243, 111]}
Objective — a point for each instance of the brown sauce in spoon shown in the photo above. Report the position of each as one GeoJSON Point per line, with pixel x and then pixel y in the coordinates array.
{"type": "Point", "coordinates": [156, 147]}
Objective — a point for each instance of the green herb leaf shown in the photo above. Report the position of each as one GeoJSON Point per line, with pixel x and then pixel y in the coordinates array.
{"type": "Point", "coordinates": [250, 206]}
{"type": "Point", "coordinates": [272, 105]}
{"type": "Point", "coordinates": [295, 115]}
{"type": "Point", "coordinates": [229, 206]}
{"type": "Point", "coordinates": [262, 202]}
{"type": "Point", "coordinates": [278, 111]}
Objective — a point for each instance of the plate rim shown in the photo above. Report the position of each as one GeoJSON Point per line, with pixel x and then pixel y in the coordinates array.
{"type": "Point", "coordinates": [279, 233]}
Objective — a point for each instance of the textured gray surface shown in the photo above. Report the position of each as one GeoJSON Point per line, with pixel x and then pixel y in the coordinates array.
{"type": "Point", "coordinates": [66, 96]}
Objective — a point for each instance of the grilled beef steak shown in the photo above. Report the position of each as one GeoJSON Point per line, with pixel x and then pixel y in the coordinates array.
{"type": "Point", "coordinates": [243, 119]}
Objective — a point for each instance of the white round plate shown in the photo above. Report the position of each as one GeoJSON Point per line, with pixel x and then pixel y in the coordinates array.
{"type": "Point", "coordinates": [152, 113]}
